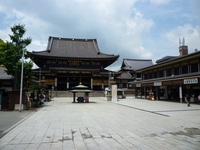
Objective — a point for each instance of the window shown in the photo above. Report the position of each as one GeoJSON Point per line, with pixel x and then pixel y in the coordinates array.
{"type": "Point", "coordinates": [150, 75]}
{"type": "Point", "coordinates": [59, 62]}
{"type": "Point", "coordinates": [184, 69]}
{"type": "Point", "coordinates": [125, 85]}
{"type": "Point", "coordinates": [162, 92]}
{"type": "Point", "coordinates": [155, 74]}
{"type": "Point", "coordinates": [145, 76]}
{"type": "Point", "coordinates": [161, 73]}
{"type": "Point", "coordinates": [194, 67]}
{"type": "Point", "coordinates": [48, 62]}
{"type": "Point", "coordinates": [176, 71]}
{"type": "Point", "coordinates": [138, 75]}
{"type": "Point", "coordinates": [169, 72]}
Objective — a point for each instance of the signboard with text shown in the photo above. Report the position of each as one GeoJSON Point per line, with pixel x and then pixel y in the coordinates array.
{"type": "Point", "coordinates": [191, 81]}
{"type": "Point", "coordinates": [157, 83]}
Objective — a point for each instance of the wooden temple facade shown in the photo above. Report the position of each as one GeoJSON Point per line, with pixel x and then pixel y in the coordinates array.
{"type": "Point", "coordinates": [67, 62]}
{"type": "Point", "coordinates": [128, 71]}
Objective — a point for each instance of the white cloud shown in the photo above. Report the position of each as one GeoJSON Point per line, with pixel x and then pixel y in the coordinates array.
{"type": "Point", "coordinates": [4, 34]}
{"type": "Point", "coordinates": [119, 26]}
{"type": "Point", "coordinates": [187, 31]}
{"type": "Point", "coordinates": [160, 2]}
{"type": "Point", "coordinates": [37, 45]}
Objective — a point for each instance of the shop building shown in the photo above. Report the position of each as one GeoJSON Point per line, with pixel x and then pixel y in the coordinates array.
{"type": "Point", "coordinates": [171, 78]}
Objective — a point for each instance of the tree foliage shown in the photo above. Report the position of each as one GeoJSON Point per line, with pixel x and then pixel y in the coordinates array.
{"type": "Point", "coordinates": [2, 44]}
{"type": "Point", "coordinates": [11, 54]}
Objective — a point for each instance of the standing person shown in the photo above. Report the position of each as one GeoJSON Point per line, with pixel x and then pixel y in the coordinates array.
{"type": "Point", "coordinates": [27, 101]}
{"type": "Point", "coordinates": [42, 99]}
{"type": "Point", "coordinates": [86, 97]}
{"type": "Point", "coordinates": [188, 99]}
{"type": "Point", "coordinates": [52, 88]}
{"type": "Point", "coordinates": [199, 99]}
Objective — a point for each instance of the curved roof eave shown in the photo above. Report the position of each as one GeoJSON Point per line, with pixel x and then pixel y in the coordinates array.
{"type": "Point", "coordinates": [41, 54]}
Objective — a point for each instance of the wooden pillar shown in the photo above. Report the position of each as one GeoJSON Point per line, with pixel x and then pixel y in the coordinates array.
{"type": "Point", "coordinates": [157, 92]}
{"type": "Point", "coordinates": [67, 82]}
{"type": "Point", "coordinates": [180, 94]}
{"type": "Point", "coordinates": [145, 92]}
{"type": "Point", "coordinates": [91, 83]}
{"type": "Point", "coordinates": [102, 85]}
{"type": "Point", "coordinates": [136, 91]}
{"type": "Point", "coordinates": [74, 97]}
{"type": "Point", "coordinates": [56, 83]}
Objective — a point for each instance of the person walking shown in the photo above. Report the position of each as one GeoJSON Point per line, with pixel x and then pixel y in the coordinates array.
{"type": "Point", "coordinates": [188, 97]}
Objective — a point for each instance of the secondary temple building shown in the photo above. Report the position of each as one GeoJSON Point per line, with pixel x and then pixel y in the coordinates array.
{"type": "Point", "coordinates": [128, 72]}
{"type": "Point", "coordinates": [66, 62]}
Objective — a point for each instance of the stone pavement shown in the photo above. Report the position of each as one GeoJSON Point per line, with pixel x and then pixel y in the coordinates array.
{"type": "Point", "coordinates": [126, 124]}
{"type": "Point", "coordinates": [10, 119]}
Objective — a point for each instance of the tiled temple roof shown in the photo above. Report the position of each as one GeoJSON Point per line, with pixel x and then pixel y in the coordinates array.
{"type": "Point", "coordinates": [73, 48]}
{"type": "Point", "coordinates": [135, 64]}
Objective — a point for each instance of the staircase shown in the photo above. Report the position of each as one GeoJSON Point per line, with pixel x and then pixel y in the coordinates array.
{"type": "Point", "coordinates": [93, 94]}
{"type": "Point", "coordinates": [69, 94]}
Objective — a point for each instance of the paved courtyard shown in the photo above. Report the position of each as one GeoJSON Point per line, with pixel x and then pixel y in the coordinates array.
{"type": "Point", "coordinates": [126, 124]}
{"type": "Point", "coordinates": [10, 119]}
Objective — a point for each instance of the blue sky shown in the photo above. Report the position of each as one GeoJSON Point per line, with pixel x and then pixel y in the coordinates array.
{"type": "Point", "coordinates": [134, 29]}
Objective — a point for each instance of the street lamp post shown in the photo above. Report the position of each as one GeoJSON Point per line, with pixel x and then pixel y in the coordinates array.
{"type": "Point", "coordinates": [21, 83]}
{"type": "Point", "coordinates": [40, 77]}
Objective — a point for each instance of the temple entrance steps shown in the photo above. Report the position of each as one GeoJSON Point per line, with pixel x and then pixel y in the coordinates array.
{"type": "Point", "coordinates": [69, 94]}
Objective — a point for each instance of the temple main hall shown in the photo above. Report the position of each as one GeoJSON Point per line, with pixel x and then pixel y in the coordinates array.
{"type": "Point", "coordinates": [66, 62]}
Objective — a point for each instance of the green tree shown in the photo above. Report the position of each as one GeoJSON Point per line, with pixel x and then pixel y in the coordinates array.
{"type": "Point", "coordinates": [11, 54]}
{"type": "Point", "coordinates": [2, 44]}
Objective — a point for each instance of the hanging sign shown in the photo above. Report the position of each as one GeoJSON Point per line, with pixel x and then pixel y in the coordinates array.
{"type": "Point", "coordinates": [191, 81]}
{"type": "Point", "coordinates": [138, 85]}
{"type": "Point", "coordinates": [157, 83]}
